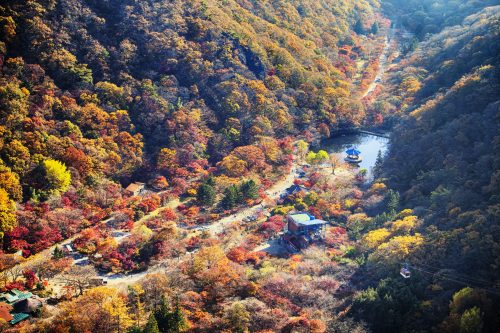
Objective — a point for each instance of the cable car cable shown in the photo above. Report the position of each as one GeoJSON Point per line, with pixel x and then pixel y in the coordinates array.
{"type": "Point", "coordinates": [455, 278]}
{"type": "Point", "coordinates": [488, 290]}
{"type": "Point", "coordinates": [444, 276]}
{"type": "Point", "coordinates": [465, 277]}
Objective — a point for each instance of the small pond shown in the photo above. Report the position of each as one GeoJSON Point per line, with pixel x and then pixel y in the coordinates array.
{"type": "Point", "coordinates": [368, 144]}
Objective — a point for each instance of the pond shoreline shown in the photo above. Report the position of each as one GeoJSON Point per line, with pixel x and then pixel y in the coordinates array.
{"type": "Point", "coordinates": [369, 142]}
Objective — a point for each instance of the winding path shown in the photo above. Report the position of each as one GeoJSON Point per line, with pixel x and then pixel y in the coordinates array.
{"type": "Point", "coordinates": [123, 280]}
{"type": "Point", "coordinates": [382, 62]}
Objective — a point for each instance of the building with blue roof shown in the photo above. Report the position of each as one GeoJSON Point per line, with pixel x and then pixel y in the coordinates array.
{"type": "Point", "coordinates": [18, 317]}
{"type": "Point", "coordinates": [19, 303]}
{"type": "Point", "coordinates": [14, 296]}
{"type": "Point", "coordinates": [304, 229]}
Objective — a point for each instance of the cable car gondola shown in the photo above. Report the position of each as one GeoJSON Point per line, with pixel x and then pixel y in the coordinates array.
{"type": "Point", "coordinates": [405, 271]}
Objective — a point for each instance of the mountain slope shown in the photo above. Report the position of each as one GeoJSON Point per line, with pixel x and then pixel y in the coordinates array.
{"type": "Point", "coordinates": [201, 77]}
{"type": "Point", "coordinates": [444, 160]}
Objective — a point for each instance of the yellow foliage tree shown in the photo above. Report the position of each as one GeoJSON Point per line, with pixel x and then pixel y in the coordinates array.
{"type": "Point", "coordinates": [397, 248]}
{"type": "Point", "coordinates": [270, 148]}
{"type": "Point", "coordinates": [57, 176]}
{"type": "Point", "coordinates": [405, 225]}
{"type": "Point", "coordinates": [214, 271]}
{"type": "Point", "coordinates": [167, 159]}
{"type": "Point", "coordinates": [7, 27]}
{"type": "Point", "coordinates": [7, 213]}
{"type": "Point", "coordinates": [10, 182]}
{"type": "Point", "coordinates": [378, 187]}
{"type": "Point", "coordinates": [404, 213]}
{"type": "Point", "coordinates": [233, 166]}
{"type": "Point", "coordinates": [376, 237]}
{"type": "Point", "coordinates": [100, 309]}
{"type": "Point", "coordinates": [410, 85]}
{"type": "Point", "coordinates": [302, 148]}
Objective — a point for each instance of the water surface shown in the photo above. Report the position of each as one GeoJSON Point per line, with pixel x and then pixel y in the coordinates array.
{"type": "Point", "coordinates": [369, 145]}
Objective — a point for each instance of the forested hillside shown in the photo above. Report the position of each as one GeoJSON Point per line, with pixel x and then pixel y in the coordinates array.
{"type": "Point", "coordinates": [162, 167]}
{"type": "Point", "coordinates": [246, 69]}
{"type": "Point", "coordinates": [444, 161]}
{"type": "Point", "coordinates": [205, 103]}
{"type": "Point", "coordinates": [423, 17]}
{"type": "Point", "coordinates": [223, 71]}
{"type": "Point", "coordinates": [135, 90]}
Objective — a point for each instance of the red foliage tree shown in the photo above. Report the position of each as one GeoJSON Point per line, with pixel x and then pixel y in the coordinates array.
{"type": "Point", "coordinates": [237, 254]}
{"type": "Point", "coordinates": [169, 214]}
{"type": "Point", "coordinates": [273, 225]}
{"type": "Point", "coordinates": [30, 278]}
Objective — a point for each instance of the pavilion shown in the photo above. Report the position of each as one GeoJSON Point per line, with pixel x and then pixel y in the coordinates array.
{"type": "Point", "coordinates": [353, 156]}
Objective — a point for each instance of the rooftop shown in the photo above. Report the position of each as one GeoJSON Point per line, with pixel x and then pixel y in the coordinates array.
{"type": "Point", "coordinates": [14, 295]}
{"type": "Point", "coordinates": [301, 217]}
{"type": "Point", "coordinates": [295, 188]}
{"type": "Point", "coordinates": [17, 317]}
{"type": "Point", "coordinates": [135, 186]}
{"type": "Point", "coordinates": [353, 151]}
{"type": "Point", "coordinates": [313, 222]}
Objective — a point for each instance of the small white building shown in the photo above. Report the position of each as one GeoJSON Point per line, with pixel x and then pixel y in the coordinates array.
{"type": "Point", "coordinates": [135, 188]}
{"type": "Point", "coordinates": [68, 248]}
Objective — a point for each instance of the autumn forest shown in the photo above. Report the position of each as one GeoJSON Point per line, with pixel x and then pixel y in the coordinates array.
{"type": "Point", "coordinates": [249, 166]}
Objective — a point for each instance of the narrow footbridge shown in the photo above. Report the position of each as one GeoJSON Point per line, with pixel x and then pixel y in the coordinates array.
{"type": "Point", "coordinates": [354, 130]}
{"type": "Point", "coordinates": [382, 135]}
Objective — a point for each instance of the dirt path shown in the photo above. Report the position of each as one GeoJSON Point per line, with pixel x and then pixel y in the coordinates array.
{"type": "Point", "coordinates": [46, 254]}
{"type": "Point", "coordinates": [382, 62]}
{"type": "Point", "coordinates": [121, 281]}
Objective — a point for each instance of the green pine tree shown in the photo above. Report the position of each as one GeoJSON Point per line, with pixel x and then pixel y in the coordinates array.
{"type": "Point", "coordinates": [392, 202]}
{"type": "Point", "coordinates": [162, 316]}
{"type": "Point", "coordinates": [231, 197]}
{"type": "Point", "coordinates": [206, 195]}
{"type": "Point", "coordinates": [359, 28]}
{"type": "Point", "coordinates": [58, 253]}
{"type": "Point", "coordinates": [249, 189]}
{"type": "Point", "coordinates": [210, 181]}
{"type": "Point", "coordinates": [152, 325]}
{"type": "Point", "coordinates": [177, 321]}
{"type": "Point", "coordinates": [377, 168]}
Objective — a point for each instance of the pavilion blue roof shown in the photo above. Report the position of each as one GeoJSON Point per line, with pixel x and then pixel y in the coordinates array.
{"type": "Point", "coordinates": [352, 151]}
